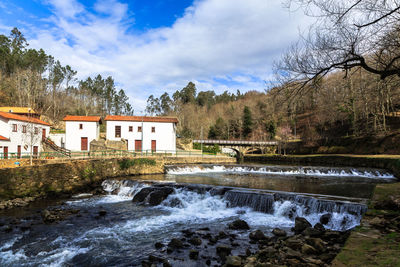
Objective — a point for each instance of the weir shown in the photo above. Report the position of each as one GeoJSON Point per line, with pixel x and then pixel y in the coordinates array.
{"type": "Point", "coordinates": [344, 213]}
{"type": "Point", "coordinates": [348, 172]}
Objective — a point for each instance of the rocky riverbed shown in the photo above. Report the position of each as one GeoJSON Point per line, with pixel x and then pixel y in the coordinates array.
{"type": "Point", "coordinates": [148, 223]}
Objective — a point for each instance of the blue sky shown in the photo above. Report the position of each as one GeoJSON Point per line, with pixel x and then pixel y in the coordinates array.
{"type": "Point", "coordinates": [154, 46]}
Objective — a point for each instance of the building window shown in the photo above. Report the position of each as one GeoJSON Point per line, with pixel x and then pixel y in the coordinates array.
{"type": "Point", "coordinates": [131, 128]}
{"type": "Point", "coordinates": [80, 126]}
{"type": "Point", "coordinates": [14, 127]}
{"type": "Point", "coordinates": [36, 130]}
{"type": "Point", "coordinates": [139, 129]}
{"type": "Point", "coordinates": [117, 131]}
{"type": "Point", "coordinates": [23, 128]}
{"type": "Point", "coordinates": [153, 129]}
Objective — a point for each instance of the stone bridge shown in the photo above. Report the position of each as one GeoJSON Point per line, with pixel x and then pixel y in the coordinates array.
{"type": "Point", "coordinates": [239, 146]}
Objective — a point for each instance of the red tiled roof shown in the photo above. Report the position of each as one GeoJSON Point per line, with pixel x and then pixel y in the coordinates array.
{"type": "Point", "coordinates": [82, 118]}
{"type": "Point", "coordinates": [141, 118]}
{"type": "Point", "coordinates": [2, 138]}
{"type": "Point", "coordinates": [12, 116]}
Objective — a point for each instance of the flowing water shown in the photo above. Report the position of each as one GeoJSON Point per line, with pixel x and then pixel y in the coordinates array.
{"type": "Point", "coordinates": [265, 197]}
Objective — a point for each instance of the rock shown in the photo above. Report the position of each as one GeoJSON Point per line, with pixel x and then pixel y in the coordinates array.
{"type": "Point", "coordinates": [312, 232]}
{"type": "Point", "coordinates": [195, 241]}
{"type": "Point", "coordinates": [219, 191]}
{"type": "Point", "coordinates": [290, 253]}
{"type": "Point", "coordinates": [239, 225]}
{"type": "Point", "coordinates": [6, 229]}
{"type": "Point", "coordinates": [317, 243]}
{"type": "Point", "coordinates": [142, 194]}
{"type": "Point", "coordinates": [278, 232]}
{"type": "Point", "coordinates": [167, 264]}
{"type": "Point", "coordinates": [300, 225]}
{"type": "Point", "coordinates": [330, 235]}
{"type": "Point", "coordinates": [158, 245]}
{"type": "Point", "coordinates": [325, 218]}
{"type": "Point", "coordinates": [257, 235]}
{"type": "Point", "coordinates": [319, 227]}
{"type": "Point", "coordinates": [233, 261]}
{"type": "Point", "coordinates": [223, 251]}
{"type": "Point", "coordinates": [193, 254]}
{"type": "Point", "coordinates": [102, 213]}
{"type": "Point", "coordinates": [48, 217]}
{"type": "Point", "coordinates": [153, 258]}
{"type": "Point", "coordinates": [294, 243]}
{"type": "Point", "coordinates": [187, 232]}
{"type": "Point", "coordinates": [378, 222]}
{"type": "Point", "coordinates": [175, 202]}
{"type": "Point", "coordinates": [157, 196]}
{"type": "Point", "coordinates": [222, 235]}
{"type": "Point", "coordinates": [266, 254]}
{"type": "Point", "coordinates": [146, 264]}
{"type": "Point", "coordinates": [175, 243]}
{"type": "Point", "coordinates": [25, 226]}
{"type": "Point", "coordinates": [308, 250]}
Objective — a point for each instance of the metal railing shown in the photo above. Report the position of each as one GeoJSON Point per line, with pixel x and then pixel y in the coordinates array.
{"type": "Point", "coordinates": [236, 142]}
{"type": "Point", "coordinates": [109, 154]}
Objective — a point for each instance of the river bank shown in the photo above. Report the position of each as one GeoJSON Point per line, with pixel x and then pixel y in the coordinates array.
{"type": "Point", "coordinates": [19, 186]}
{"type": "Point", "coordinates": [376, 242]}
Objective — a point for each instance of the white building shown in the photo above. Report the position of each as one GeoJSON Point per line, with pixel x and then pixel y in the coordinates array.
{"type": "Point", "coordinates": [157, 134]}
{"type": "Point", "coordinates": [80, 131]}
{"type": "Point", "coordinates": [21, 134]}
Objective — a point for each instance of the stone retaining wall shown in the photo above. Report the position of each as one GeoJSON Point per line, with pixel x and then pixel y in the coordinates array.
{"type": "Point", "coordinates": [391, 164]}
{"type": "Point", "coordinates": [76, 175]}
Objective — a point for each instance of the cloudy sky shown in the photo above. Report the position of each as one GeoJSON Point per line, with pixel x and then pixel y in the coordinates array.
{"type": "Point", "coordinates": [154, 46]}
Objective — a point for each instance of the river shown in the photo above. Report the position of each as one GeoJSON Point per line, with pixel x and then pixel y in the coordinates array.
{"type": "Point", "coordinates": [111, 230]}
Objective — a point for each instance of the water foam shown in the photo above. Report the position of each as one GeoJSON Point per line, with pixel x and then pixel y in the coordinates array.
{"type": "Point", "coordinates": [282, 170]}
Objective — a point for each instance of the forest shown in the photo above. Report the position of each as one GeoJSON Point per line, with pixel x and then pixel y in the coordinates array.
{"type": "Point", "coordinates": [32, 78]}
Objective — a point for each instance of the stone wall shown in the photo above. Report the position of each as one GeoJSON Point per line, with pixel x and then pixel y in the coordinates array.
{"type": "Point", "coordinates": [76, 175]}
{"type": "Point", "coordinates": [389, 163]}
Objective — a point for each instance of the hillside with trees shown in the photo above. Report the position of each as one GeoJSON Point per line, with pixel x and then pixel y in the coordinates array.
{"type": "Point", "coordinates": [30, 77]}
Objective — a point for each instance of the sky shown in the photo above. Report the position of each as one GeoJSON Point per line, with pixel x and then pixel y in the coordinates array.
{"type": "Point", "coordinates": [155, 46]}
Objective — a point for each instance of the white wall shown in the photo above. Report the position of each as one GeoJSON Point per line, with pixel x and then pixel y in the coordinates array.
{"type": "Point", "coordinates": [164, 135]}
{"type": "Point", "coordinates": [73, 134]}
{"type": "Point", "coordinates": [20, 138]}
{"type": "Point", "coordinates": [58, 139]}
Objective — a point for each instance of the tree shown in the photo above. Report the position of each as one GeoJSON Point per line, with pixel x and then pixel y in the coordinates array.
{"type": "Point", "coordinates": [270, 127]}
{"type": "Point", "coordinates": [166, 104]}
{"type": "Point", "coordinates": [153, 106]}
{"type": "Point", "coordinates": [188, 93]}
{"type": "Point", "coordinates": [247, 122]}
{"type": "Point", "coordinates": [218, 130]}
{"type": "Point", "coordinates": [347, 34]}
{"type": "Point", "coordinates": [206, 98]}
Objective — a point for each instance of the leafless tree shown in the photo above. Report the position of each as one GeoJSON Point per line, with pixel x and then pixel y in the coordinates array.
{"type": "Point", "coordinates": [347, 34]}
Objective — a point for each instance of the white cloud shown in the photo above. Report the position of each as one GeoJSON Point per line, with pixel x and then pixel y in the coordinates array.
{"type": "Point", "coordinates": [238, 39]}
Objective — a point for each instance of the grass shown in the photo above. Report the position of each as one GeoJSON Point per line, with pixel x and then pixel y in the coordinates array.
{"type": "Point", "coordinates": [367, 246]}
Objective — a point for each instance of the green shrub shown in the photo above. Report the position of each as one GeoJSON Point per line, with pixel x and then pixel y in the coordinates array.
{"type": "Point", "coordinates": [208, 149]}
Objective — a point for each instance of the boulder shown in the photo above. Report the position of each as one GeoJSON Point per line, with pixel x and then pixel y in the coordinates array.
{"type": "Point", "coordinates": [300, 225]}
{"type": "Point", "coordinates": [233, 261]}
{"type": "Point", "coordinates": [175, 243]}
{"type": "Point", "coordinates": [222, 235]}
{"type": "Point", "coordinates": [157, 196]}
{"type": "Point", "coordinates": [278, 232]}
{"type": "Point", "coordinates": [325, 218]}
{"type": "Point", "coordinates": [158, 245]}
{"type": "Point", "coordinates": [195, 241]}
{"type": "Point", "coordinates": [317, 243]}
{"type": "Point", "coordinates": [294, 242]}
{"type": "Point", "coordinates": [223, 251]}
{"type": "Point", "coordinates": [239, 225]}
{"type": "Point", "coordinates": [257, 235]}
{"type": "Point", "coordinates": [308, 250]}
{"type": "Point", "coordinates": [102, 213]}
{"type": "Point", "coordinates": [142, 194]}
{"type": "Point", "coordinates": [193, 254]}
